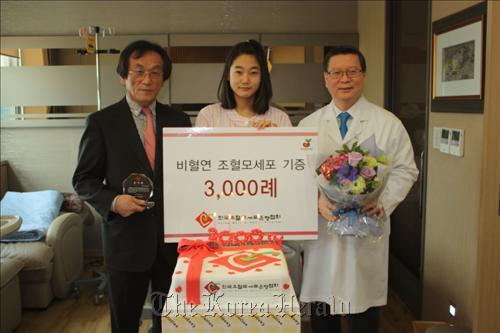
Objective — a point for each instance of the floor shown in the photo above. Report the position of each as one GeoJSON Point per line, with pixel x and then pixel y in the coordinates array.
{"type": "Point", "coordinates": [76, 315]}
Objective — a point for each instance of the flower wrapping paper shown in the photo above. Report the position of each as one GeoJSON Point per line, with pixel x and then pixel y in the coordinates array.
{"type": "Point", "coordinates": [351, 178]}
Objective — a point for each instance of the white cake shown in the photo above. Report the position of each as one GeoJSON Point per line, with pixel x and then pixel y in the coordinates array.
{"type": "Point", "coordinates": [250, 279]}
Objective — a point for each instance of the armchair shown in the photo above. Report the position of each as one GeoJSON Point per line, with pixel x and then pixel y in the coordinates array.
{"type": "Point", "coordinates": [51, 264]}
{"type": "Point", "coordinates": [47, 268]}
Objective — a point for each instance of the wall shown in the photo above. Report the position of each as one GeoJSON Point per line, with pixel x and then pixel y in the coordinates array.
{"type": "Point", "coordinates": [41, 158]}
{"type": "Point", "coordinates": [452, 212]}
{"type": "Point", "coordinates": [487, 299]}
{"type": "Point", "coordinates": [371, 28]}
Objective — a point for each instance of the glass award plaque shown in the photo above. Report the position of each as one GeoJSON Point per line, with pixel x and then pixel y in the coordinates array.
{"type": "Point", "coordinates": [140, 186]}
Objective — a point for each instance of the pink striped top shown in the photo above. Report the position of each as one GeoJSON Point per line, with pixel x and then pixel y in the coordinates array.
{"type": "Point", "coordinates": [215, 116]}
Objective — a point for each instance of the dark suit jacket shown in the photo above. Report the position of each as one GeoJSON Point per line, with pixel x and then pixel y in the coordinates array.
{"type": "Point", "coordinates": [110, 150]}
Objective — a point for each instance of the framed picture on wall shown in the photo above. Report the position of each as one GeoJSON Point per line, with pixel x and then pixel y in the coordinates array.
{"type": "Point", "coordinates": [458, 61]}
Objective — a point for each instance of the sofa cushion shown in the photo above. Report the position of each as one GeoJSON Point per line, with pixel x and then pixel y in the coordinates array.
{"type": "Point", "coordinates": [34, 255]}
{"type": "Point", "coordinates": [8, 269]}
{"type": "Point", "coordinates": [37, 210]}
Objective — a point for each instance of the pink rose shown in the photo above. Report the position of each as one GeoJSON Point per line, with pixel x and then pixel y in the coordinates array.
{"type": "Point", "coordinates": [332, 165]}
{"type": "Point", "coordinates": [338, 161]}
{"type": "Point", "coordinates": [368, 173]}
{"type": "Point", "coordinates": [354, 158]}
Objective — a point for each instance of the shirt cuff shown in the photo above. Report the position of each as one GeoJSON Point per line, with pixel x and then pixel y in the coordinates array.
{"type": "Point", "coordinates": [113, 204]}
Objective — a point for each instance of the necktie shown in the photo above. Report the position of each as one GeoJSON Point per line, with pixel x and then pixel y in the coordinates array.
{"type": "Point", "coordinates": [344, 116]}
{"type": "Point", "coordinates": [149, 137]}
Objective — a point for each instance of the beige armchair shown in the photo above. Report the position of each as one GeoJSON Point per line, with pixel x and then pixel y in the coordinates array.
{"type": "Point", "coordinates": [50, 265]}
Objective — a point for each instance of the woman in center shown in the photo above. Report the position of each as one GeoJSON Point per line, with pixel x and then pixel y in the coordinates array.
{"type": "Point", "coordinates": [244, 95]}
{"type": "Point", "coordinates": [244, 92]}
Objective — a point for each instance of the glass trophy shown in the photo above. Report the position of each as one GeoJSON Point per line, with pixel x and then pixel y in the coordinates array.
{"type": "Point", "coordinates": [140, 186]}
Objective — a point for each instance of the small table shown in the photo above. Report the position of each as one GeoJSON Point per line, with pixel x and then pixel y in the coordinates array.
{"type": "Point", "coordinates": [9, 224]}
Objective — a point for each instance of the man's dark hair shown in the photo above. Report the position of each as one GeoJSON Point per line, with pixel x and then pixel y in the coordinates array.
{"type": "Point", "coordinates": [344, 49]}
{"type": "Point", "coordinates": [263, 94]}
{"type": "Point", "coordinates": [137, 49]}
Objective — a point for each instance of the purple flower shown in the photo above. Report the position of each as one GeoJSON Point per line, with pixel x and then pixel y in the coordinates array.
{"type": "Point", "coordinates": [353, 175]}
{"type": "Point", "coordinates": [368, 173]}
{"type": "Point", "coordinates": [343, 172]}
{"type": "Point", "coordinates": [347, 172]}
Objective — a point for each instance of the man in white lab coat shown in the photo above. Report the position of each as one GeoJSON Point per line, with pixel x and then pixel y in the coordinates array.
{"type": "Point", "coordinates": [345, 274]}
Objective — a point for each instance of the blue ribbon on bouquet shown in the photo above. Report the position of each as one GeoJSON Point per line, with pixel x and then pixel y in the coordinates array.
{"type": "Point", "coordinates": [351, 214]}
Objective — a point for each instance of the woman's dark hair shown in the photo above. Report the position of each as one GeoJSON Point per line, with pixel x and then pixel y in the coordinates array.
{"type": "Point", "coordinates": [344, 49]}
{"type": "Point", "coordinates": [263, 94]}
{"type": "Point", "coordinates": [137, 49]}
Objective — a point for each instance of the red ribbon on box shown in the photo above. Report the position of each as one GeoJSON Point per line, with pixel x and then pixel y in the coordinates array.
{"type": "Point", "coordinates": [196, 250]}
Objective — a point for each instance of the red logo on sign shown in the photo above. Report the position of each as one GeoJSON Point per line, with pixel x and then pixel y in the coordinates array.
{"type": "Point", "coordinates": [204, 219]}
{"type": "Point", "coordinates": [239, 261]}
{"type": "Point", "coordinates": [212, 288]}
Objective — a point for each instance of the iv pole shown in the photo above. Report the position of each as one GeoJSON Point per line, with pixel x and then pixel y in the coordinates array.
{"type": "Point", "coordinates": [97, 68]}
{"type": "Point", "coordinates": [91, 34]}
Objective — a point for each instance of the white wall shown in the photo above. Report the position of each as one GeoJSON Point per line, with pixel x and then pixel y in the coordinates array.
{"type": "Point", "coordinates": [41, 158]}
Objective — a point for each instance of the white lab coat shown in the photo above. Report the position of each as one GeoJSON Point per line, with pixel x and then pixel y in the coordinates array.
{"type": "Point", "coordinates": [351, 273]}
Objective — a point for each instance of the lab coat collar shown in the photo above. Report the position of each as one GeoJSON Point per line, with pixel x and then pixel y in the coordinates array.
{"type": "Point", "coordinates": [360, 118]}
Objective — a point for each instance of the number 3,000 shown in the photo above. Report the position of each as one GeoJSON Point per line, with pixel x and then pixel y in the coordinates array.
{"type": "Point", "coordinates": [229, 187]}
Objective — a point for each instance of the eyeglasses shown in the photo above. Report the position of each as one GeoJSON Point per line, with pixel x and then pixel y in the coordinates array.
{"type": "Point", "coordinates": [351, 73]}
{"type": "Point", "coordinates": [140, 74]}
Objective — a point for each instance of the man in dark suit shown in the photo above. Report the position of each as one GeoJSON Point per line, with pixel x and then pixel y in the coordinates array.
{"type": "Point", "coordinates": [118, 141]}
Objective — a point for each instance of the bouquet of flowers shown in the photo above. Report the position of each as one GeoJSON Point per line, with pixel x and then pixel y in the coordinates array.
{"type": "Point", "coordinates": [353, 178]}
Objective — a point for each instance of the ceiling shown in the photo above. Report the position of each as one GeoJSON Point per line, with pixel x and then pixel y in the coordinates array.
{"type": "Point", "coordinates": [48, 18]}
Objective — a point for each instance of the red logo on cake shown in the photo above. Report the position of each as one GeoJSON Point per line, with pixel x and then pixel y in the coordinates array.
{"type": "Point", "coordinates": [244, 261]}
{"type": "Point", "coordinates": [212, 288]}
{"type": "Point", "coordinates": [204, 219]}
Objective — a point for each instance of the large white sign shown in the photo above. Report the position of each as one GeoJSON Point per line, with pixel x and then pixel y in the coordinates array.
{"type": "Point", "coordinates": [239, 179]}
